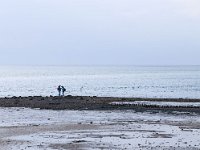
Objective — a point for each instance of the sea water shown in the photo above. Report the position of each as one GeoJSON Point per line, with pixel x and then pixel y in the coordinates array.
{"type": "Point", "coordinates": [123, 81]}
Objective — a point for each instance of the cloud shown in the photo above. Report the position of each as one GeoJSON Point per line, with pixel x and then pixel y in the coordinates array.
{"type": "Point", "coordinates": [99, 31]}
{"type": "Point", "coordinates": [189, 8]}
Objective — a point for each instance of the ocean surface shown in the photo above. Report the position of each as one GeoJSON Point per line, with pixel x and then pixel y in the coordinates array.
{"type": "Point", "coordinates": [126, 81]}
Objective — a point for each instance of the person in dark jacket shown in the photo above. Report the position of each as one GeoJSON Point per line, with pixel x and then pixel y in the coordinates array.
{"type": "Point", "coordinates": [63, 90]}
{"type": "Point", "coordinates": [59, 90]}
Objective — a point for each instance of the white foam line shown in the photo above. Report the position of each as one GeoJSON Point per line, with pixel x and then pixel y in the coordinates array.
{"type": "Point", "coordinates": [158, 103]}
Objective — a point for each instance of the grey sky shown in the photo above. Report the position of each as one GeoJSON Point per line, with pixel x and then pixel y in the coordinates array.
{"type": "Point", "coordinates": [100, 32]}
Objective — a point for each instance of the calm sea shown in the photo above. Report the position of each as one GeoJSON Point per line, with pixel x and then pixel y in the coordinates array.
{"type": "Point", "coordinates": [129, 81]}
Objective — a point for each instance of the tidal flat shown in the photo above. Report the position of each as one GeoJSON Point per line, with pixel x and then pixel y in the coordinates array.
{"type": "Point", "coordinates": [76, 122]}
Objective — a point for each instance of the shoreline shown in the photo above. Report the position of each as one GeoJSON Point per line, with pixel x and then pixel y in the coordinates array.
{"type": "Point", "coordinates": [96, 103]}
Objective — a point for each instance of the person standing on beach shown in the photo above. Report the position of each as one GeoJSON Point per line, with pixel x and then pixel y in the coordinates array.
{"type": "Point", "coordinates": [59, 90]}
{"type": "Point", "coordinates": [63, 90]}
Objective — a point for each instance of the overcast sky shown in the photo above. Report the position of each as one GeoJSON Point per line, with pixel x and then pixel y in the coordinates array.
{"type": "Point", "coordinates": [100, 32]}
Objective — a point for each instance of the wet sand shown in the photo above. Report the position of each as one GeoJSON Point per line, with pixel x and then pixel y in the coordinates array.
{"type": "Point", "coordinates": [84, 123]}
{"type": "Point", "coordinates": [33, 129]}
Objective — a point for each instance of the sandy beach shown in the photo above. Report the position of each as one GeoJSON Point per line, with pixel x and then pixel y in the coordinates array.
{"type": "Point", "coordinates": [96, 123]}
